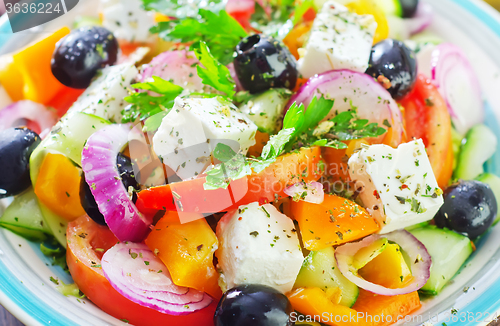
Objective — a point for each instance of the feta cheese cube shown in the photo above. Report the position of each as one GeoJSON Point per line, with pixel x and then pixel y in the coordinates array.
{"type": "Point", "coordinates": [127, 20]}
{"type": "Point", "coordinates": [339, 39]}
{"type": "Point", "coordinates": [104, 96]}
{"type": "Point", "coordinates": [258, 245]}
{"type": "Point", "coordinates": [398, 187]}
{"type": "Point", "coordinates": [191, 130]}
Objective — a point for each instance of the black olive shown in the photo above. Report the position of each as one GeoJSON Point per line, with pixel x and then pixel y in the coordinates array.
{"type": "Point", "coordinates": [126, 171]}
{"type": "Point", "coordinates": [253, 305]}
{"type": "Point", "coordinates": [16, 146]}
{"type": "Point", "coordinates": [393, 64]}
{"type": "Point", "coordinates": [262, 62]}
{"type": "Point", "coordinates": [409, 7]}
{"type": "Point", "coordinates": [469, 208]}
{"type": "Point", "coordinates": [79, 55]}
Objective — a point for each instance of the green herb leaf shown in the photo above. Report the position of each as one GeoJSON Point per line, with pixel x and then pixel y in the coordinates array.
{"type": "Point", "coordinates": [145, 105]}
{"type": "Point", "coordinates": [214, 74]}
{"type": "Point", "coordinates": [234, 166]}
{"type": "Point", "coordinates": [220, 32]}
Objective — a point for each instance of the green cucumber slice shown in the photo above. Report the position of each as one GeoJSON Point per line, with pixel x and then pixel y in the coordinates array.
{"type": "Point", "coordinates": [23, 217]}
{"type": "Point", "coordinates": [494, 182]}
{"type": "Point", "coordinates": [266, 109]}
{"type": "Point", "coordinates": [448, 250]}
{"type": "Point", "coordinates": [391, 7]}
{"type": "Point", "coordinates": [479, 145]}
{"type": "Point", "coordinates": [320, 270]}
{"type": "Point", "coordinates": [67, 137]}
{"type": "Point", "coordinates": [83, 21]}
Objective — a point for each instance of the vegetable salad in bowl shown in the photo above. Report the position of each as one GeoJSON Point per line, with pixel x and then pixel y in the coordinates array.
{"type": "Point", "coordinates": [249, 162]}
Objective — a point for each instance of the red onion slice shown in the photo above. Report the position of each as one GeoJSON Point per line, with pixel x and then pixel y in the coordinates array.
{"type": "Point", "coordinates": [136, 273]}
{"type": "Point", "coordinates": [309, 192]}
{"type": "Point", "coordinates": [177, 66]}
{"type": "Point", "coordinates": [420, 262]}
{"type": "Point", "coordinates": [450, 70]}
{"type": "Point", "coordinates": [101, 173]}
{"type": "Point", "coordinates": [28, 110]}
{"type": "Point", "coordinates": [373, 102]}
{"type": "Point", "coordinates": [422, 19]}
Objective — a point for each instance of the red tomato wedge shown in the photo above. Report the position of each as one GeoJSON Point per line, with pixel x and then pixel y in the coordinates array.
{"type": "Point", "coordinates": [264, 187]}
{"type": "Point", "coordinates": [87, 242]}
{"type": "Point", "coordinates": [427, 117]}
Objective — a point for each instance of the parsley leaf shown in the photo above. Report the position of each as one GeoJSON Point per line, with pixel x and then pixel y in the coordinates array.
{"type": "Point", "coordinates": [183, 8]}
{"type": "Point", "coordinates": [273, 149]}
{"type": "Point", "coordinates": [235, 166]}
{"type": "Point", "coordinates": [214, 74]}
{"type": "Point", "coordinates": [145, 105]}
{"type": "Point", "coordinates": [309, 131]}
{"type": "Point", "coordinates": [220, 32]}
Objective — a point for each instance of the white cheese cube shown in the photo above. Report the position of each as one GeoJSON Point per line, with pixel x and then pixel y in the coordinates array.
{"type": "Point", "coordinates": [104, 96]}
{"type": "Point", "coordinates": [191, 130]}
{"type": "Point", "coordinates": [258, 245]}
{"type": "Point", "coordinates": [339, 39]}
{"type": "Point", "coordinates": [398, 187]}
{"type": "Point", "coordinates": [127, 20]}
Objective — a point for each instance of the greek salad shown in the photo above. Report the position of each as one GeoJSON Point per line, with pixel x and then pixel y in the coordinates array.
{"type": "Point", "coordinates": [248, 162]}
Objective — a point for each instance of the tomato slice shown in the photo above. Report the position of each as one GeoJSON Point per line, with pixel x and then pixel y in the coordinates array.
{"type": "Point", "coordinates": [87, 242]}
{"type": "Point", "coordinates": [427, 117]}
{"type": "Point", "coordinates": [264, 187]}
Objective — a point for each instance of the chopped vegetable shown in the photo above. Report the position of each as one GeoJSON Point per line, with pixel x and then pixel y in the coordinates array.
{"type": "Point", "coordinates": [186, 243]}
{"type": "Point", "coordinates": [337, 220]}
{"type": "Point", "coordinates": [135, 272]}
{"type": "Point", "coordinates": [57, 186]}
{"type": "Point", "coordinates": [99, 165]}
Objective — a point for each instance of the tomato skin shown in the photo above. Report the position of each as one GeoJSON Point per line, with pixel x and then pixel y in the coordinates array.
{"type": "Point", "coordinates": [427, 117]}
{"type": "Point", "coordinates": [263, 187]}
{"type": "Point", "coordinates": [84, 236]}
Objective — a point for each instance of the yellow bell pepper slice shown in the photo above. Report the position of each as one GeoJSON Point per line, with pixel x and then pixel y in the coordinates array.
{"type": "Point", "coordinates": [58, 186]}
{"type": "Point", "coordinates": [28, 74]}
{"type": "Point", "coordinates": [187, 250]}
{"type": "Point", "coordinates": [369, 7]}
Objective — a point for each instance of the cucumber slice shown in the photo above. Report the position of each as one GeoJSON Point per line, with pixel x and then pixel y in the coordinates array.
{"type": "Point", "coordinates": [391, 7]}
{"type": "Point", "coordinates": [320, 270]}
{"type": "Point", "coordinates": [448, 250]}
{"type": "Point", "coordinates": [494, 182]}
{"type": "Point", "coordinates": [266, 109]}
{"type": "Point", "coordinates": [479, 145]}
{"type": "Point", "coordinates": [68, 137]}
{"type": "Point", "coordinates": [23, 217]}
{"type": "Point", "coordinates": [83, 21]}
{"type": "Point", "coordinates": [427, 37]}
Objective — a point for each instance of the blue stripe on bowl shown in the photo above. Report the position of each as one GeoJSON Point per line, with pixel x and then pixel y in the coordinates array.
{"type": "Point", "coordinates": [24, 299]}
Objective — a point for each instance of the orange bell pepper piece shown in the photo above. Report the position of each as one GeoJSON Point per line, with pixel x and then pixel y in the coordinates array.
{"type": "Point", "coordinates": [296, 38]}
{"type": "Point", "coordinates": [58, 186]}
{"type": "Point", "coordinates": [187, 250]}
{"type": "Point", "coordinates": [379, 310]}
{"type": "Point", "coordinates": [32, 64]}
{"type": "Point", "coordinates": [315, 303]}
{"type": "Point", "coordinates": [333, 222]}
{"type": "Point", "coordinates": [11, 78]}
